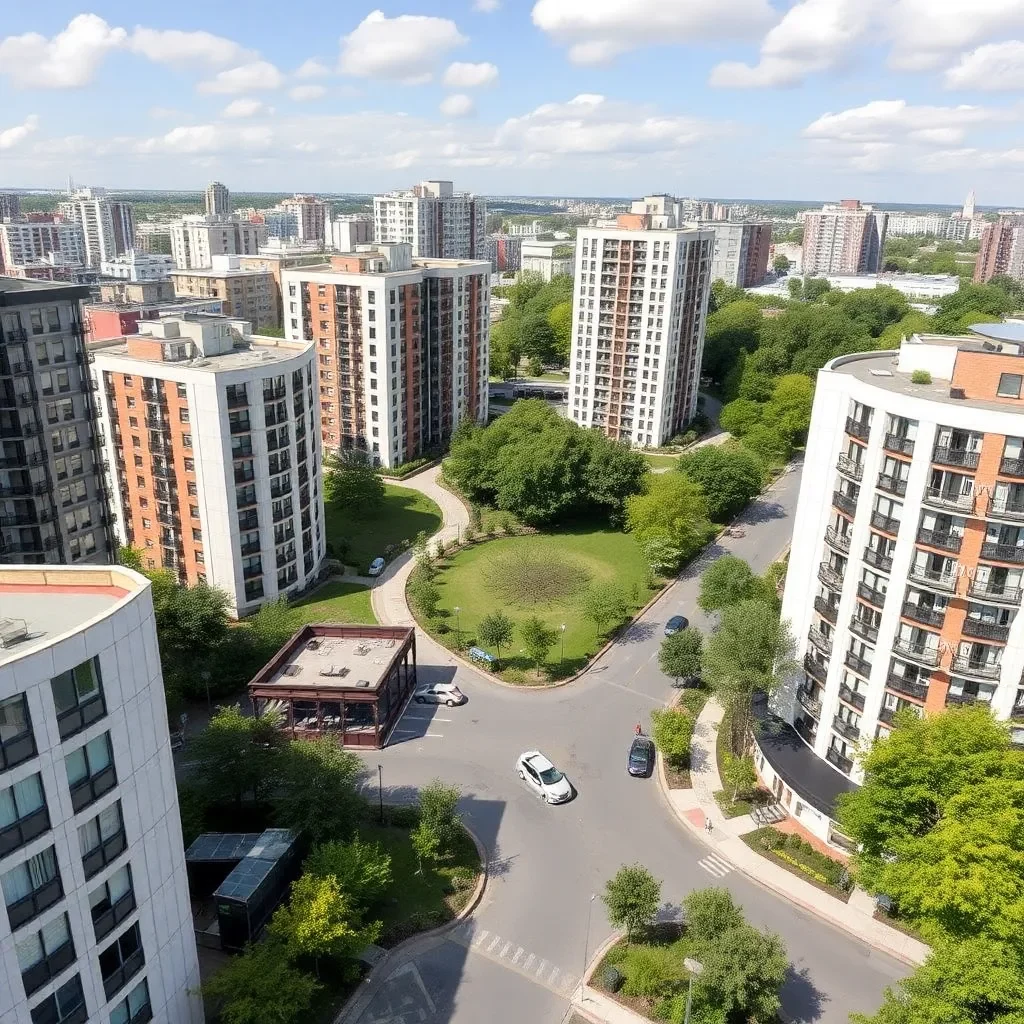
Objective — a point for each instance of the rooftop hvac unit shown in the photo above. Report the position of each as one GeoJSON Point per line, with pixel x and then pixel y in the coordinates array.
{"type": "Point", "coordinates": [957, 393]}
{"type": "Point", "coordinates": [12, 631]}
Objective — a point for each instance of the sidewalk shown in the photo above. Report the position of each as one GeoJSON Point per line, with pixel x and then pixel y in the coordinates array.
{"type": "Point", "coordinates": [695, 807]}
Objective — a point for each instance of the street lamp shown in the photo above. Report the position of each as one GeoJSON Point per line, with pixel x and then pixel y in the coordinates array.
{"type": "Point", "coordinates": [562, 656]}
{"type": "Point", "coordinates": [458, 626]}
{"type": "Point", "coordinates": [696, 969]}
{"type": "Point", "coordinates": [380, 790]}
{"type": "Point", "coordinates": [205, 675]}
{"type": "Point", "coordinates": [586, 944]}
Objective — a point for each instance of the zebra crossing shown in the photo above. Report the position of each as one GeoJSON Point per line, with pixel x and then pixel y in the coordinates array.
{"type": "Point", "coordinates": [715, 865]}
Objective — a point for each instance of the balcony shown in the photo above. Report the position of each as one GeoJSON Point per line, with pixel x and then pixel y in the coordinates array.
{"type": "Point", "coordinates": [921, 654]}
{"type": "Point", "coordinates": [954, 500]}
{"type": "Point", "coordinates": [995, 593]}
{"type": "Point", "coordinates": [830, 576]}
{"type": "Point", "coordinates": [808, 702]}
{"type": "Point", "coordinates": [826, 610]}
{"type": "Point", "coordinates": [1004, 508]}
{"type": "Point", "coordinates": [940, 539]}
{"type": "Point", "coordinates": [886, 715]}
{"type": "Point", "coordinates": [845, 729]}
{"type": "Point", "coordinates": [964, 664]}
{"type": "Point", "coordinates": [849, 468]}
{"type": "Point", "coordinates": [858, 664]}
{"type": "Point", "coordinates": [805, 732]}
{"type": "Point", "coordinates": [822, 642]}
{"type": "Point", "coordinates": [869, 594]}
{"type": "Point", "coordinates": [985, 630]}
{"type": "Point", "coordinates": [1011, 467]}
{"type": "Point", "coordinates": [107, 916]}
{"type": "Point", "coordinates": [892, 484]}
{"type": "Point", "coordinates": [898, 444]}
{"type": "Point", "coordinates": [964, 698]}
{"type": "Point", "coordinates": [844, 502]}
{"type": "Point", "coordinates": [252, 548]}
{"type": "Point", "coordinates": [858, 428]}
{"type": "Point", "coordinates": [864, 630]}
{"type": "Point", "coordinates": [840, 541]}
{"type": "Point", "coordinates": [114, 982]}
{"type": "Point", "coordinates": [106, 853]}
{"type": "Point", "coordinates": [851, 697]}
{"type": "Point", "coordinates": [844, 764]}
{"type": "Point", "coordinates": [815, 669]}
{"type": "Point", "coordinates": [1003, 552]}
{"type": "Point", "coordinates": [877, 559]}
{"type": "Point", "coordinates": [955, 457]}
{"type": "Point", "coordinates": [919, 613]}
{"type": "Point", "coordinates": [885, 523]}
{"type": "Point", "coordinates": [932, 580]}
{"type": "Point", "coordinates": [908, 687]}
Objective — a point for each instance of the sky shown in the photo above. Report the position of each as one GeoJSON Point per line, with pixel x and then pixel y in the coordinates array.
{"type": "Point", "coordinates": [886, 100]}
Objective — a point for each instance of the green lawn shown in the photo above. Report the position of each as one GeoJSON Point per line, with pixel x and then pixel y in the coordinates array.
{"type": "Point", "coordinates": [595, 555]}
{"type": "Point", "coordinates": [661, 461]}
{"type": "Point", "coordinates": [405, 513]}
{"type": "Point", "coordinates": [337, 601]}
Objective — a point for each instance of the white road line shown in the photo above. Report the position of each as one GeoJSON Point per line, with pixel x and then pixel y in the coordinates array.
{"type": "Point", "coordinates": [540, 970]}
{"type": "Point", "coordinates": [518, 955]}
{"type": "Point", "coordinates": [505, 950]}
{"type": "Point", "coordinates": [554, 974]}
{"type": "Point", "coordinates": [528, 963]}
{"type": "Point", "coordinates": [714, 865]}
{"type": "Point", "coordinates": [478, 940]}
{"type": "Point", "coordinates": [417, 733]}
{"type": "Point", "coordinates": [494, 942]}
{"type": "Point", "coordinates": [424, 718]}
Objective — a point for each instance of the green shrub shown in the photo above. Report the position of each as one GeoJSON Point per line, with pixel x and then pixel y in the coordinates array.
{"type": "Point", "coordinates": [920, 377]}
{"type": "Point", "coordinates": [650, 971]}
{"type": "Point", "coordinates": [672, 732]}
{"type": "Point", "coordinates": [405, 816]}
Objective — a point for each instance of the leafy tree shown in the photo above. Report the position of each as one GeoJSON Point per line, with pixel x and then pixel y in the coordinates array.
{"type": "Point", "coordinates": [362, 869]}
{"type": "Point", "coordinates": [739, 416]}
{"type": "Point", "coordinates": [129, 557]}
{"type": "Point", "coordinates": [560, 321]}
{"type": "Point", "coordinates": [672, 732]}
{"type": "Point", "coordinates": [650, 971]}
{"type": "Point", "coordinates": [771, 447]}
{"type": "Point", "coordinates": [270, 627]}
{"type": "Point", "coordinates": [729, 475]}
{"type": "Point", "coordinates": [874, 309]}
{"type": "Point", "coordinates": [506, 345]}
{"type": "Point", "coordinates": [795, 285]}
{"type": "Point", "coordinates": [424, 593]}
{"type": "Point", "coordinates": [538, 335]}
{"type": "Point", "coordinates": [352, 485]}
{"type": "Point", "coordinates": [781, 264]}
{"type": "Point", "coordinates": [984, 298]}
{"type": "Point", "coordinates": [605, 605]}
{"type": "Point", "coordinates": [708, 913]}
{"type": "Point", "coordinates": [425, 843]}
{"type": "Point", "coordinates": [680, 654]}
{"type": "Point", "coordinates": [815, 288]}
{"type": "Point", "coordinates": [317, 793]}
{"type": "Point", "coordinates": [789, 409]}
{"type": "Point", "coordinates": [261, 987]}
{"type": "Point", "coordinates": [731, 329]}
{"type": "Point", "coordinates": [739, 774]}
{"type": "Point", "coordinates": [726, 581]}
{"type": "Point", "coordinates": [673, 508]}
{"type": "Point", "coordinates": [632, 899]}
{"type": "Point", "coordinates": [537, 639]}
{"type": "Point", "coordinates": [495, 630]}
{"type": "Point", "coordinates": [663, 556]}
{"type": "Point", "coordinates": [438, 805]}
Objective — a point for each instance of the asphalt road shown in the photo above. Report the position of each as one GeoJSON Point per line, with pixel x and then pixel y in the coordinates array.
{"type": "Point", "coordinates": [519, 958]}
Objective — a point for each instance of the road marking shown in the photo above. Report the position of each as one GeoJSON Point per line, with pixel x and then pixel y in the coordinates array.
{"type": "Point", "coordinates": [543, 967]}
{"type": "Point", "coordinates": [479, 939]}
{"type": "Point", "coordinates": [421, 735]}
{"type": "Point", "coordinates": [715, 865]}
{"type": "Point", "coordinates": [494, 942]}
{"type": "Point", "coordinates": [529, 961]}
{"type": "Point", "coordinates": [554, 974]}
{"type": "Point", "coordinates": [423, 718]}
{"type": "Point", "coordinates": [635, 693]}
{"type": "Point", "coordinates": [518, 954]}
{"type": "Point", "coordinates": [505, 950]}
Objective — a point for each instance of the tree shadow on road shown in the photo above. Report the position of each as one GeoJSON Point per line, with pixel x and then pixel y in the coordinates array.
{"type": "Point", "coordinates": [637, 633]}
{"type": "Point", "coordinates": [804, 1002]}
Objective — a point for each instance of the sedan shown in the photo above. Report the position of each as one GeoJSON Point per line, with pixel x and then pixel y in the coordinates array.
{"type": "Point", "coordinates": [376, 566]}
{"type": "Point", "coordinates": [641, 757]}
{"type": "Point", "coordinates": [543, 777]}
{"type": "Point", "coordinates": [440, 693]}
{"type": "Point", "coordinates": [675, 625]}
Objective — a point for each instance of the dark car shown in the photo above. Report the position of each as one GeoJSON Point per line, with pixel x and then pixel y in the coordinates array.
{"type": "Point", "coordinates": [641, 757]}
{"type": "Point", "coordinates": [675, 625]}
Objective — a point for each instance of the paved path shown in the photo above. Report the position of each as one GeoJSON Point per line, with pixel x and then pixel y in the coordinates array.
{"type": "Point", "coordinates": [523, 951]}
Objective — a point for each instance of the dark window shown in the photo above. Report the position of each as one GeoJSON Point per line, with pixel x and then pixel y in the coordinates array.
{"type": "Point", "coordinates": [90, 771]}
{"type": "Point", "coordinates": [121, 960]}
{"type": "Point", "coordinates": [17, 743]}
{"type": "Point", "coordinates": [31, 887]}
{"type": "Point", "coordinates": [65, 1006]}
{"type": "Point", "coordinates": [45, 953]}
{"type": "Point", "coordinates": [112, 902]}
{"type": "Point", "coordinates": [1009, 385]}
{"type": "Point", "coordinates": [102, 839]}
{"type": "Point", "coordinates": [135, 1009]}
{"type": "Point", "coordinates": [78, 697]}
{"type": "Point", "coordinates": [23, 814]}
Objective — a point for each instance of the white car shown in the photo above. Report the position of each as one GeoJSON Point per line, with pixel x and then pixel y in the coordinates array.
{"type": "Point", "coordinates": [376, 566]}
{"type": "Point", "coordinates": [543, 777]}
{"type": "Point", "coordinates": [439, 693]}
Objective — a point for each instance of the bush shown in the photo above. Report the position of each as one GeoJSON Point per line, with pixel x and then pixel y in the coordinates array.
{"type": "Point", "coordinates": [920, 377]}
{"type": "Point", "coordinates": [672, 732]}
{"type": "Point", "coordinates": [798, 852]}
{"type": "Point", "coordinates": [650, 971]}
{"type": "Point", "coordinates": [404, 816]}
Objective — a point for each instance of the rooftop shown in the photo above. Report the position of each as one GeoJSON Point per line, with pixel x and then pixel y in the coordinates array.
{"type": "Point", "coordinates": [40, 605]}
{"type": "Point", "coordinates": [1008, 330]}
{"type": "Point", "coordinates": [217, 273]}
{"type": "Point", "coordinates": [24, 289]}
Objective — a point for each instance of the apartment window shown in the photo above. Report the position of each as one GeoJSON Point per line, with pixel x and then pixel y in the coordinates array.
{"type": "Point", "coordinates": [17, 743]}
{"type": "Point", "coordinates": [90, 771]}
{"type": "Point", "coordinates": [190, 465]}
{"type": "Point", "coordinates": [1009, 385]}
{"type": "Point", "coordinates": [65, 1006]}
{"type": "Point", "coordinates": [135, 1009]}
{"type": "Point", "coordinates": [44, 954]}
{"type": "Point", "coordinates": [186, 440]}
{"type": "Point", "coordinates": [78, 697]}
{"type": "Point", "coordinates": [101, 839]}
{"type": "Point", "coordinates": [112, 902]}
{"type": "Point", "coordinates": [182, 391]}
{"type": "Point", "coordinates": [31, 887]}
{"type": "Point", "coordinates": [121, 960]}
{"type": "Point", "coordinates": [23, 814]}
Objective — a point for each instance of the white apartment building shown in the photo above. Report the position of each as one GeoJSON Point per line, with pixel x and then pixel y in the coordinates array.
{"type": "Point", "coordinates": [23, 243]}
{"type": "Point", "coordinates": [108, 225]}
{"type": "Point", "coordinates": [136, 265]}
{"type": "Point", "coordinates": [347, 231]}
{"type": "Point", "coordinates": [919, 287]}
{"type": "Point", "coordinates": [438, 222]}
{"type": "Point", "coordinates": [310, 216]}
{"type": "Point", "coordinates": [547, 258]}
{"type": "Point", "coordinates": [281, 223]}
{"type": "Point", "coordinates": [844, 238]}
{"type": "Point", "coordinates": [97, 923]}
{"type": "Point", "coordinates": [402, 346]}
{"type": "Point", "coordinates": [906, 574]}
{"type": "Point", "coordinates": [195, 240]}
{"type": "Point", "coordinates": [905, 225]}
{"type": "Point", "coordinates": [211, 438]}
{"type": "Point", "coordinates": [639, 306]}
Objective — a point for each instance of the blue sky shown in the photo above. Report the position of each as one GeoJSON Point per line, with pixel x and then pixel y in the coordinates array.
{"type": "Point", "coordinates": [887, 100]}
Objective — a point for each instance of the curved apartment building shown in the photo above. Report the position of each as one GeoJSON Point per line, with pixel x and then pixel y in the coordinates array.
{"type": "Point", "coordinates": [906, 574]}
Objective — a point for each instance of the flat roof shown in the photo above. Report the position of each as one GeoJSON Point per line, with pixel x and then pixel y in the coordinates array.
{"type": "Point", "coordinates": [264, 351]}
{"type": "Point", "coordinates": [39, 605]}
{"type": "Point", "coordinates": [27, 290]}
{"type": "Point", "coordinates": [212, 272]}
{"type": "Point", "coordinates": [1012, 330]}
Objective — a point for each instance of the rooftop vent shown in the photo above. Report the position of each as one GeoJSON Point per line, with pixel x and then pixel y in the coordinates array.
{"type": "Point", "coordinates": [12, 631]}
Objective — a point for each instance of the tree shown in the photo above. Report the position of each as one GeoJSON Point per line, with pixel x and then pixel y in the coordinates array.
{"type": "Point", "coordinates": [537, 639]}
{"type": "Point", "coordinates": [270, 627]}
{"type": "Point", "coordinates": [425, 844]}
{"type": "Point", "coordinates": [352, 486]}
{"type": "Point", "coordinates": [708, 913]}
{"type": "Point", "coordinates": [538, 335]}
{"type": "Point", "coordinates": [984, 298]}
{"type": "Point", "coordinates": [781, 264]}
{"type": "Point", "coordinates": [424, 593]}
{"type": "Point", "coordinates": [673, 508]}
{"type": "Point", "coordinates": [317, 793]}
{"type": "Point", "coordinates": [672, 731]}
{"type": "Point", "coordinates": [560, 321]}
{"type": "Point", "coordinates": [729, 475]}
{"type": "Point", "coordinates": [129, 557]}
{"type": "Point", "coordinates": [815, 288]}
{"type": "Point", "coordinates": [739, 774]}
{"type": "Point", "coordinates": [506, 345]}
{"type": "Point", "coordinates": [739, 416]}
{"type": "Point", "coordinates": [236, 756]}
{"type": "Point", "coordinates": [726, 581]}
{"type": "Point", "coordinates": [789, 410]}
{"type": "Point", "coordinates": [731, 330]}
{"type": "Point", "coordinates": [261, 987]}
{"type": "Point", "coordinates": [663, 556]}
{"type": "Point", "coordinates": [363, 869]}
{"type": "Point", "coordinates": [605, 605]}
{"type": "Point", "coordinates": [680, 654]}
{"type": "Point", "coordinates": [495, 630]}
{"type": "Point", "coordinates": [796, 287]}
{"type": "Point", "coordinates": [632, 898]}
{"type": "Point", "coordinates": [771, 447]}
{"type": "Point", "coordinates": [438, 806]}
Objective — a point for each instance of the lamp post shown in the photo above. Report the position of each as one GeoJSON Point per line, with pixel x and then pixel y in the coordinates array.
{"type": "Point", "coordinates": [380, 790]}
{"type": "Point", "coordinates": [458, 626]}
{"type": "Point", "coordinates": [696, 969]}
{"type": "Point", "coordinates": [205, 675]}
{"type": "Point", "coordinates": [561, 657]}
{"type": "Point", "coordinates": [586, 946]}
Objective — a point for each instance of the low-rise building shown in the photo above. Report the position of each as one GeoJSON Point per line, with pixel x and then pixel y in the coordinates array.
{"type": "Point", "coordinates": [106, 320]}
{"type": "Point", "coordinates": [914, 286]}
{"type": "Point", "coordinates": [546, 258]}
{"type": "Point", "coordinates": [195, 240]}
{"type": "Point", "coordinates": [247, 294]}
{"type": "Point", "coordinates": [136, 265]}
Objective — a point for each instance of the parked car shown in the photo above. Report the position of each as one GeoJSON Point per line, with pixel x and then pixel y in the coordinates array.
{"type": "Point", "coordinates": [641, 757]}
{"type": "Point", "coordinates": [439, 693]}
{"type": "Point", "coordinates": [376, 566]}
{"type": "Point", "coordinates": [676, 625]}
{"type": "Point", "coordinates": [543, 778]}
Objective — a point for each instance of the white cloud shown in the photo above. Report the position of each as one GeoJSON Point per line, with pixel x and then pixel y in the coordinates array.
{"type": "Point", "coordinates": [246, 78]}
{"type": "Point", "coordinates": [457, 105]}
{"type": "Point", "coordinates": [246, 106]}
{"type": "Point", "coordinates": [171, 46]}
{"type": "Point", "coordinates": [10, 137]}
{"type": "Point", "coordinates": [407, 48]}
{"type": "Point", "coordinates": [991, 67]}
{"type": "Point", "coordinates": [486, 6]}
{"type": "Point", "coordinates": [312, 68]}
{"type": "Point", "coordinates": [67, 61]}
{"type": "Point", "coordinates": [209, 138]}
{"type": "Point", "coordinates": [307, 92]}
{"type": "Point", "coordinates": [470, 76]}
{"type": "Point", "coordinates": [162, 113]}
{"type": "Point", "coordinates": [598, 30]}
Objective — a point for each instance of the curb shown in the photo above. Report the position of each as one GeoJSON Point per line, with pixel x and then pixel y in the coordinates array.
{"type": "Point", "coordinates": [397, 951]}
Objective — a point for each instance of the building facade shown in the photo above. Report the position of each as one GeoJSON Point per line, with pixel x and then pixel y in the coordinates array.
{"type": "Point", "coordinates": [10, 205]}
{"type": "Point", "coordinates": [548, 259]}
{"type": "Point", "coordinates": [438, 222]}
{"type": "Point", "coordinates": [1002, 250]}
{"type": "Point", "coordinates": [844, 238]}
{"type": "Point", "coordinates": [135, 265]}
{"type": "Point", "coordinates": [52, 505]}
{"type": "Point", "coordinates": [349, 230]}
{"type": "Point", "coordinates": [106, 320]}
{"type": "Point", "coordinates": [504, 251]}
{"type": "Point", "coordinates": [23, 243]}
{"type": "Point", "coordinates": [740, 256]}
{"type": "Point", "coordinates": [98, 925]}
{"type": "Point", "coordinates": [108, 225]}
{"type": "Point", "coordinates": [402, 347]}
{"type": "Point", "coordinates": [218, 200]}
{"type": "Point", "coordinates": [197, 239]}
{"type": "Point", "coordinates": [639, 307]}
{"type": "Point", "coordinates": [310, 216]}
{"type": "Point", "coordinates": [211, 439]}
{"type": "Point", "coordinates": [247, 294]}
{"type": "Point", "coordinates": [904, 586]}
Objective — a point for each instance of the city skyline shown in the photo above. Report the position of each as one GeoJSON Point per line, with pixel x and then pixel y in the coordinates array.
{"type": "Point", "coordinates": [538, 98]}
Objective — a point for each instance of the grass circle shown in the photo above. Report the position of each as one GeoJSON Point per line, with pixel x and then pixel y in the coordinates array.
{"type": "Point", "coordinates": [529, 575]}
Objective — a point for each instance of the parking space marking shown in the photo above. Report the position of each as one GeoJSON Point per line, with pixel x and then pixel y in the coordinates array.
{"type": "Point", "coordinates": [418, 734]}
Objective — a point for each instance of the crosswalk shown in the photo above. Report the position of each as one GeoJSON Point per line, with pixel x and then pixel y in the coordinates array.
{"type": "Point", "coordinates": [715, 865]}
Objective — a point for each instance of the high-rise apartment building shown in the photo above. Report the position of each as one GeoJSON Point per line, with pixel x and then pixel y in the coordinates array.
{"type": "Point", "coordinates": [905, 580]}
{"type": "Point", "coordinates": [108, 225]}
{"type": "Point", "coordinates": [26, 242]}
{"type": "Point", "coordinates": [639, 305]}
{"type": "Point", "coordinates": [968, 211]}
{"type": "Point", "coordinates": [347, 231]}
{"type": "Point", "coordinates": [218, 199]}
{"type": "Point", "coordinates": [740, 256]}
{"type": "Point", "coordinates": [97, 924]}
{"type": "Point", "coordinates": [248, 294]}
{"type": "Point", "coordinates": [211, 438]}
{"type": "Point", "coordinates": [1002, 250]}
{"type": "Point", "coordinates": [10, 205]}
{"type": "Point", "coordinates": [402, 347]}
{"type": "Point", "coordinates": [310, 216]}
{"type": "Point", "coordinates": [195, 240]}
{"type": "Point", "coordinates": [438, 222]}
{"type": "Point", "coordinates": [844, 238]}
{"type": "Point", "coordinates": [52, 505]}
{"type": "Point", "coordinates": [504, 251]}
